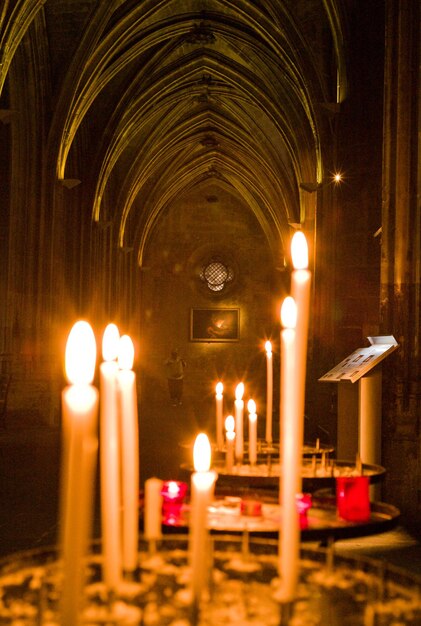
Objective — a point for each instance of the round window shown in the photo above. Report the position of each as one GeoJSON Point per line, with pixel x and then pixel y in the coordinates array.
{"type": "Point", "coordinates": [216, 275]}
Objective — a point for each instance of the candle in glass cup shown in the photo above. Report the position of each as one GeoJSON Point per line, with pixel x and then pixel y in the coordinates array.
{"type": "Point", "coordinates": [79, 458]}
{"type": "Point", "coordinates": [230, 437]}
{"type": "Point", "coordinates": [110, 459]}
{"type": "Point", "coordinates": [239, 416]}
{"type": "Point", "coordinates": [219, 398]}
{"type": "Point", "coordinates": [202, 487]}
{"type": "Point", "coordinates": [251, 406]}
{"type": "Point", "coordinates": [291, 450]}
{"type": "Point", "coordinates": [300, 291]}
{"type": "Point", "coordinates": [126, 380]}
{"type": "Point", "coordinates": [269, 391]}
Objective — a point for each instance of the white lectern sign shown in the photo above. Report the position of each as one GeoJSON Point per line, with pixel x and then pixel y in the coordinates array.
{"type": "Point", "coordinates": [362, 360]}
{"type": "Point", "coordinates": [359, 406]}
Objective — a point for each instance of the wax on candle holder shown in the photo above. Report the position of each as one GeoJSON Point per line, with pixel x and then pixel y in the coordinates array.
{"type": "Point", "coordinates": [303, 501]}
{"type": "Point", "coordinates": [353, 498]}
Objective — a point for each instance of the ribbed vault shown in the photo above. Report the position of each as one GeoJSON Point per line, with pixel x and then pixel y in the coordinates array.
{"type": "Point", "coordinates": [170, 94]}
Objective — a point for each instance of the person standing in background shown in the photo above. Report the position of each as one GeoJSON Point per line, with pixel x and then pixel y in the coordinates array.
{"type": "Point", "coordinates": [174, 367]}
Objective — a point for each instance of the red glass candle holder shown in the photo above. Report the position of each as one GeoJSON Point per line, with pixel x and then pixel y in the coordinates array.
{"type": "Point", "coordinates": [353, 498]}
{"type": "Point", "coordinates": [173, 496]}
{"type": "Point", "coordinates": [303, 502]}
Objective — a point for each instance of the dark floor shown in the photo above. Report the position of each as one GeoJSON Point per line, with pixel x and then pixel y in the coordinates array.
{"type": "Point", "coordinates": [30, 468]}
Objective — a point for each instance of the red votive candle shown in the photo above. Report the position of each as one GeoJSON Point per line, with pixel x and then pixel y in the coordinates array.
{"type": "Point", "coordinates": [304, 502]}
{"type": "Point", "coordinates": [251, 507]}
{"type": "Point", "coordinates": [173, 495]}
{"type": "Point", "coordinates": [353, 498]}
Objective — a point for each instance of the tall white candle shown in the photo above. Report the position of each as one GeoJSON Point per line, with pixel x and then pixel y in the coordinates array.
{"type": "Point", "coordinates": [219, 398]}
{"type": "Point", "coordinates": [153, 509]}
{"type": "Point", "coordinates": [239, 416]}
{"type": "Point", "coordinates": [251, 406]}
{"type": "Point", "coordinates": [79, 457]}
{"type": "Point", "coordinates": [230, 436]}
{"type": "Point", "coordinates": [202, 487]}
{"type": "Point", "coordinates": [129, 452]}
{"type": "Point", "coordinates": [110, 459]}
{"type": "Point", "coordinates": [300, 291]}
{"type": "Point", "coordinates": [269, 391]}
{"type": "Point", "coordinates": [291, 451]}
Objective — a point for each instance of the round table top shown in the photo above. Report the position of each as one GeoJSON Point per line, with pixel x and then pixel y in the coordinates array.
{"type": "Point", "coordinates": [315, 475]}
{"type": "Point", "coordinates": [225, 515]}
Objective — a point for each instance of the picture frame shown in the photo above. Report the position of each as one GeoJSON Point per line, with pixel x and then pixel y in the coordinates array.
{"type": "Point", "coordinates": [215, 325]}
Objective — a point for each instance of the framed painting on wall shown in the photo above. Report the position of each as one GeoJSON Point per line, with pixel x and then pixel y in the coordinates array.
{"type": "Point", "coordinates": [214, 325]}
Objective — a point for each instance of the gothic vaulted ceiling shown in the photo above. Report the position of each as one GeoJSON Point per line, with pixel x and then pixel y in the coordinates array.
{"type": "Point", "coordinates": [143, 100]}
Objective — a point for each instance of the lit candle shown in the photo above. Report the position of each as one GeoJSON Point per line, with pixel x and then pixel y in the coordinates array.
{"type": "Point", "coordinates": [130, 452]}
{"type": "Point", "coordinates": [110, 459]}
{"type": "Point", "coordinates": [219, 411]}
{"type": "Point", "coordinates": [239, 410]}
{"type": "Point", "coordinates": [229, 436]}
{"type": "Point", "coordinates": [251, 406]}
{"type": "Point", "coordinates": [291, 450]}
{"type": "Point", "coordinates": [80, 447]}
{"type": "Point", "coordinates": [152, 524]}
{"type": "Point", "coordinates": [269, 391]}
{"type": "Point", "coordinates": [300, 291]}
{"type": "Point", "coordinates": [202, 486]}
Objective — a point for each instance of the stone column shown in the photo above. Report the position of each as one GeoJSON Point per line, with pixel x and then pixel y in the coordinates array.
{"type": "Point", "coordinates": [400, 259]}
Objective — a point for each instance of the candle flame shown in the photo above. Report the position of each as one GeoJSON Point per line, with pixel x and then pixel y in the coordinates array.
{"type": "Point", "coordinates": [299, 251]}
{"type": "Point", "coordinates": [239, 391]}
{"type": "Point", "coordinates": [80, 357]}
{"type": "Point", "coordinates": [289, 313]}
{"type": "Point", "coordinates": [268, 348]}
{"type": "Point", "coordinates": [229, 423]}
{"type": "Point", "coordinates": [125, 353]}
{"type": "Point", "coordinates": [251, 406]}
{"type": "Point", "coordinates": [219, 388]}
{"type": "Point", "coordinates": [173, 488]}
{"type": "Point", "coordinates": [202, 453]}
{"type": "Point", "coordinates": [110, 340]}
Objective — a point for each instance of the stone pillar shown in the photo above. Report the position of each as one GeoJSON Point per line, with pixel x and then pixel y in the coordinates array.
{"type": "Point", "coordinates": [400, 259]}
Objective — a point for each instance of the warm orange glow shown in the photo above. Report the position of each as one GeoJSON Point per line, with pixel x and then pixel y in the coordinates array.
{"type": "Point", "coordinates": [337, 178]}
{"type": "Point", "coordinates": [125, 353]}
{"type": "Point", "coordinates": [202, 453]}
{"type": "Point", "coordinates": [229, 423]}
{"type": "Point", "coordinates": [239, 391]}
{"type": "Point", "coordinates": [251, 406]}
{"type": "Point", "coordinates": [299, 251]}
{"type": "Point", "coordinates": [219, 389]}
{"type": "Point", "coordinates": [268, 348]}
{"type": "Point", "coordinates": [110, 341]}
{"type": "Point", "coordinates": [80, 356]}
{"type": "Point", "coordinates": [289, 313]}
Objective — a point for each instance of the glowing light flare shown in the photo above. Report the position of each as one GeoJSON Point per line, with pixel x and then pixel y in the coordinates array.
{"type": "Point", "coordinates": [219, 389]}
{"type": "Point", "coordinates": [289, 313]}
{"type": "Point", "coordinates": [229, 423]}
{"type": "Point", "coordinates": [299, 251]}
{"type": "Point", "coordinates": [251, 406]}
{"type": "Point", "coordinates": [110, 342]}
{"type": "Point", "coordinates": [337, 177]}
{"type": "Point", "coordinates": [202, 453]}
{"type": "Point", "coordinates": [268, 348]}
{"type": "Point", "coordinates": [173, 488]}
{"type": "Point", "coordinates": [125, 353]}
{"type": "Point", "coordinates": [239, 391]}
{"type": "Point", "coordinates": [80, 355]}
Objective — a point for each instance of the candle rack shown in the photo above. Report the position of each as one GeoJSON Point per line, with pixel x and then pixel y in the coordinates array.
{"type": "Point", "coordinates": [244, 588]}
